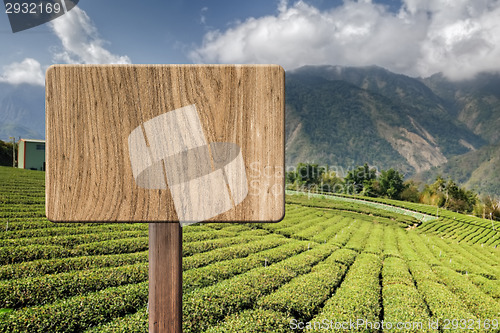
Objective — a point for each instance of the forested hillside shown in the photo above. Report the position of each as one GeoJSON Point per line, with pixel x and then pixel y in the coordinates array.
{"type": "Point", "coordinates": [347, 116]}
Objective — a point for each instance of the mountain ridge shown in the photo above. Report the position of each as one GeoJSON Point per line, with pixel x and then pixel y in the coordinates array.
{"type": "Point", "coordinates": [404, 111]}
{"type": "Point", "coordinates": [415, 125]}
{"type": "Point", "coordinates": [345, 116]}
{"type": "Point", "coordinates": [22, 111]}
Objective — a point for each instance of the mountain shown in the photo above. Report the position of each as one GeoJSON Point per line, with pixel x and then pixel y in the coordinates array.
{"type": "Point", "coordinates": [474, 102]}
{"type": "Point", "coordinates": [478, 170]}
{"type": "Point", "coordinates": [331, 122]}
{"type": "Point", "coordinates": [22, 111]}
{"type": "Point", "coordinates": [344, 116]}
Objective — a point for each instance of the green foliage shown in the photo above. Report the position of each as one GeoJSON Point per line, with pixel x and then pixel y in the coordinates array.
{"type": "Point", "coordinates": [14, 254]}
{"type": "Point", "coordinates": [77, 313]}
{"type": "Point", "coordinates": [204, 246]}
{"type": "Point", "coordinates": [83, 229]}
{"type": "Point", "coordinates": [459, 199]}
{"type": "Point", "coordinates": [60, 265]}
{"type": "Point", "coordinates": [358, 296]}
{"type": "Point", "coordinates": [488, 208]}
{"type": "Point", "coordinates": [4, 311]}
{"type": "Point", "coordinates": [401, 300]}
{"type": "Point", "coordinates": [50, 288]}
{"type": "Point", "coordinates": [478, 302]}
{"type": "Point", "coordinates": [69, 241]}
{"type": "Point", "coordinates": [488, 286]}
{"type": "Point", "coordinates": [126, 245]}
{"type": "Point", "coordinates": [360, 180]}
{"type": "Point", "coordinates": [410, 192]}
{"type": "Point", "coordinates": [204, 307]}
{"type": "Point", "coordinates": [332, 257]}
{"type": "Point", "coordinates": [309, 176]}
{"type": "Point", "coordinates": [443, 303]}
{"type": "Point", "coordinates": [254, 321]}
{"type": "Point", "coordinates": [365, 205]}
{"type": "Point", "coordinates": [449, 195]}
{"type": "Point", "coordinates": [5, 153]}
{"type": "Point", "coordinates": [329, 181]}
{"type": "Point", "coordinates": [213, 273]}
{"type": "Point", "coordinates": [232, 252]}
{"type": "Point", "coordinates": [403, 304]}
{"type": "Point", "coordinates": [132, 323]}
{"type": "Point", "coordinates": [391, 184]}
{"type": "Point", "coordinates": [302, 297]}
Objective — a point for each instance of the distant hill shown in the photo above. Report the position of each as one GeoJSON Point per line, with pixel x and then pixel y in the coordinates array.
{"type": "Point", "coordinates": [22, 111]}
{"type": "Point", "coordinates": [474, 102]}
{"type": "Point", "coordinates": [346, 116]}
{"type": "Point", "coordinates": [478, 170]}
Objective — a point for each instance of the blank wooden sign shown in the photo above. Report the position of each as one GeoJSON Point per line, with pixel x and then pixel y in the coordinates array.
{"type": "Point", "coordinates": [165, 143]}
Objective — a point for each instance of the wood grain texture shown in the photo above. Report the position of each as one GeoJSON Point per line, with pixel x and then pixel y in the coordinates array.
{"type": "Point", "coordinates": [165, 278]}
{"type": "Point", "coordinates": [92, 109]}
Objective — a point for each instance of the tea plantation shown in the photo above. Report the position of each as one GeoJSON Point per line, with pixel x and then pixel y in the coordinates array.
{"type": "Point", "coordinates": [333, 264]}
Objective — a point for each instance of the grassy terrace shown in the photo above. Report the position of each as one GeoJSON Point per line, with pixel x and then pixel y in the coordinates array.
{"type": "Point", "coordinates": [329, 260]}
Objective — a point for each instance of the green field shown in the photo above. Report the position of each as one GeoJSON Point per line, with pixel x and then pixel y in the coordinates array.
{"type": "Point", "coordinates": [330, 261]}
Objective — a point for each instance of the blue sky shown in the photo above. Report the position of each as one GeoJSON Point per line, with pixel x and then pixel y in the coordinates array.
{"type": "Point", "coordinates": [413, 37]}
{"type": "Point", "coordinates": [147, 31]}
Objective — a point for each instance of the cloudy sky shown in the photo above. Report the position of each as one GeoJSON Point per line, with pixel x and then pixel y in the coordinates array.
{"type": "Point", "coordinates": [415, 37]}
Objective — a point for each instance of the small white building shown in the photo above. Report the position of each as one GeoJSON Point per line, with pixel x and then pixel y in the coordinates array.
{"type": "Point", "coordinates": [31, 154]}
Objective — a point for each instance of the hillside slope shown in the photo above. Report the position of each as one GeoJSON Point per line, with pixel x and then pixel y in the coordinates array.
{"type": "Point", "coordinates": [328, 260]}
{"type": "Point", "coordinates": [22, 111]}
{"type": "Point", "coordinates": [474, 102]}
{"type": "Point", "coordinates": [343, 116]}
{"type": "Point", "coordinates": [478, 170]}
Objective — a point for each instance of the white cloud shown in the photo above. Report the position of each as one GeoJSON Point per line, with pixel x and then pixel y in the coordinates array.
{"type": "Point", "coordinates": [81, 42]}
{"type": "Point", "coordinates": [463, 38]}
{"type": "Point", "coordinates": [459, 38]}
{"type": "Point", "coordinates": [27, 71]}
{"type": "Point", "coordinates": [203, 17]}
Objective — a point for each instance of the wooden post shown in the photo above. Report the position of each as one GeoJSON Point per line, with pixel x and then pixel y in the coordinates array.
{"type": "Point", "coordinates": [165, 278]}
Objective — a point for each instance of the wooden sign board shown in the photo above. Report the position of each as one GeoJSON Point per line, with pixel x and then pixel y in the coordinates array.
{"type": "Point", "coordinates": [165, 143]}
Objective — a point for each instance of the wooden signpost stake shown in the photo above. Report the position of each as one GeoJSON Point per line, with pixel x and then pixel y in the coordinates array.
{"type": "Point", "coordinates": [168, 145]}
{"type": "Point", "coordinates": [165, 277]}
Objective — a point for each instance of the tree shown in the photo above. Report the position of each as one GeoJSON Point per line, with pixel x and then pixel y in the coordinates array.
{"type": "Point", "coordinates": [309, 174]}
{"type": "Point", "coordinates": [290, 177]}
{"type": "Point", "coordinates": [306, 176]}
{"type": "Point", "coordinates": [458, 198]}
{"type": "Point", "coordinates": [391, 184]}
{"type": "Point", "coordinates": [329, 181]}
{"type": "Point", "coordinates": [5, 153]}
{"type": "Point", "coordinates": [491, 207]}
{"type": "Point", "coordinates": [433, 194]}
{"type": "Point", "coordinates": [371, 188]}
{"type": "Point", "coordinates": [411, 192]}
{"type": "Point", "coordinates": [360, 178]}
{"type": "Point", "coordinates": [449, 195]}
